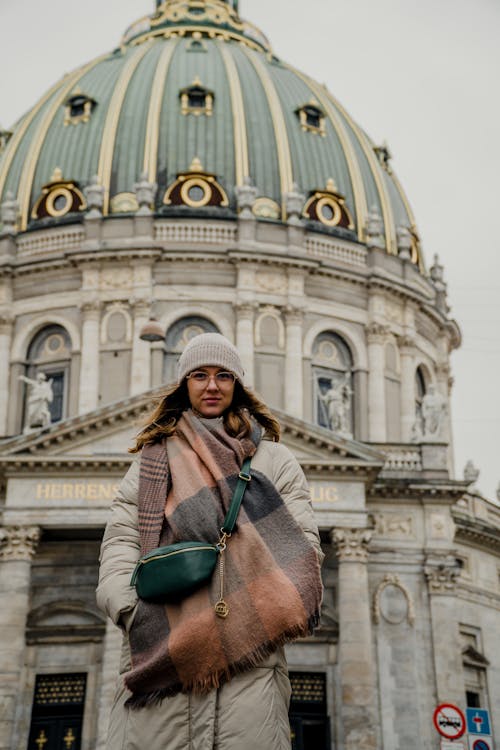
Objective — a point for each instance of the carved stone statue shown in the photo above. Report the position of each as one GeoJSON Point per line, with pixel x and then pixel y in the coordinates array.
{"type": "Point", "coordinates": [373, 228]}
{"type": "Point", "coordinates": [145, 192]}
{"type": "Point", "coordinates": [245, 197]}
{"type": "Point", "coordinates": [40, 395]}
{"type": "Point", "coordinates": [9, 213]}
{"type": "Point", "coordinates": [434, 410]}
{"type": "Point", "coordinates": [471, 473]}
{"type": "Point", "coordinates": [437, 275]}
{"type": "Point", "coordinates": [404, 242]}
{"type": "Point", "coordinates": [294, 205]}
{"type": "Point", "coordinates": [94, 193]}
{"type": "Point", "coordinates": [337, 400]}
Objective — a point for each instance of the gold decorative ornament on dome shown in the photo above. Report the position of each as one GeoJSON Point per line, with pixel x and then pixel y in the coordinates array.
{"type": "Point", "coordinates": [196, 189]}
{"type": "Point", "coordinates": [58, 198]}
{"type": "Point", "coordinates": [328, 207]}
{"type": "Point", "coordinates": [415, 244]}
{"type": "Point", "coordinates": [266, 208]}
{"type": "Point", "coordinates": [124, 203]}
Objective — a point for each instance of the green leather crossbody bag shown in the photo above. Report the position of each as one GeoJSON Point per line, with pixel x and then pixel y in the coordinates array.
{"type": "Point", "coordinates": [176, 570]}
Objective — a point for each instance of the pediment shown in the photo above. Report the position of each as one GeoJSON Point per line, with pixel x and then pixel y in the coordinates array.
{"type": "Point", "coordinates": [104, 435]}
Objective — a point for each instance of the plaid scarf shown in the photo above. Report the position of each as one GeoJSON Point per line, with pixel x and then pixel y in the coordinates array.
{"type": "Point", "coordinates": [272, 577]}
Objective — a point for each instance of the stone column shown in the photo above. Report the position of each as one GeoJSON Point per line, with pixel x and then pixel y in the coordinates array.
{"type": "Point", "coordinates": [359, 719]}
{"type": "Point", "coordinates": [377, 418]}
{"type": "Point", "coordinates": [245, 339]}
{"type": "Point", "coordinates": [6, 323]}
{"type": "Point", "coordinates": [140, 376]}
{"type": "Point", "coordinates": [17, 547]}
{"type": "Point", "coordinates": [89, 368]}
{"type": "Point", "coordinates": [294, 385]}
{"type": "Point", "coordinates": [441, 571]}
{"type": "Point", "coordinates": [407, 355]}
{"type": "Point", "coordinates": [110, 667]}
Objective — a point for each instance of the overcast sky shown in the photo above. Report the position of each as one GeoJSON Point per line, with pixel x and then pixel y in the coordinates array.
{"type": "Point", "coordinates": [420, 74]}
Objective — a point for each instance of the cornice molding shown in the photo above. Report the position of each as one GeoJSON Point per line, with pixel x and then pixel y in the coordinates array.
{"type": "Point", "coordinates": [433, 490]}
{"type": "Point", "coordinates": [476, 532]}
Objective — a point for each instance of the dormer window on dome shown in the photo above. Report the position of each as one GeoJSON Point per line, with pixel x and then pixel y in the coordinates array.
{"type": "Point", "coordinates": [196, 189]}
{"type": "Point", "coordinates": [78, 108]}
{"type": "Point", "coordinates": [311, 117]}
{"type": "Point", "coordinates": [58, 198]}
{"type": "Point", "coordinates": [328, 207]}
{"type": "Point", "coordinates": [196, 99]}
{"type": "Point", "coordinates": [196, 43]}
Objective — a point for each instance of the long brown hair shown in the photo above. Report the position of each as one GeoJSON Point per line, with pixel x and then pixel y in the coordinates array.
{"type": "Point", "coordinates": [162, 421]}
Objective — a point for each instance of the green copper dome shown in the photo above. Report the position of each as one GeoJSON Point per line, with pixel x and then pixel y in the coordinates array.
{"type": "Point", "coordinates": [194, 83]}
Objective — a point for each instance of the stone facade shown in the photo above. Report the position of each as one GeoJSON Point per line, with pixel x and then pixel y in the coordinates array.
{"type": "Point", "coordinates": [412, 559]}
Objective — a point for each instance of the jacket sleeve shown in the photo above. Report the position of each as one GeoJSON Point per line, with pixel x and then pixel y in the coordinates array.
{"type": "Point", "coordinates": [289, 480]}
{"type": "Point", "coordinates": [120, 550]}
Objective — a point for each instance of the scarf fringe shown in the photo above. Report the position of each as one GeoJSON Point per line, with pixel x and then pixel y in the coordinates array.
{"type": "Point", "coordinates": [205, 685]}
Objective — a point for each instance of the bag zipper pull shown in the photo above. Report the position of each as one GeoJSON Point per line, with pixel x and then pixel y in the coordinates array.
{"type": "Point", "coordinates": [221, 607]}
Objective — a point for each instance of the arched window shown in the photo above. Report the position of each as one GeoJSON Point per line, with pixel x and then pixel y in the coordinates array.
{"type": "Point", "coordinates": [333, 390]}
{"type": "Point", "coordinates": [420, 391]}
{"type": "Point", "coordinates": [176, 339]}
{"type": "Point", "coordinates": [48, 360]}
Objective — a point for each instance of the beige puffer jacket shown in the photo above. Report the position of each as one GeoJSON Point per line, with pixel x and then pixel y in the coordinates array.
{"type": "Point", "coordinates": [250, 711]}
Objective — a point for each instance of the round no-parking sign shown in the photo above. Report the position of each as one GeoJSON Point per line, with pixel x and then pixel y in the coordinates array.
{"type": "Point", "coordinates": [450, 722]}
{"type": "Point", "coordinates": [481, 745]}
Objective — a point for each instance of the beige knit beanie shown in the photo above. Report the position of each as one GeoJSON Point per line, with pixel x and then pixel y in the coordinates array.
{"type": "Point", "coordinates": [209, 349]}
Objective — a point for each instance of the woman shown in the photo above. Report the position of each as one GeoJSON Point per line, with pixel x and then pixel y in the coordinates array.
{"type": "Point", "coordinates": [193, 680]}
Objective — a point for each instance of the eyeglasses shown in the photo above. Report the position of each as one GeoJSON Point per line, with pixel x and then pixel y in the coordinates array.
{"type": "Point", "coordinates": [221, 378]}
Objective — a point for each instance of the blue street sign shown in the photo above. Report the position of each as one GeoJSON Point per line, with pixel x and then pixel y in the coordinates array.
{"type": "Point", "coordinates": [478, 721]}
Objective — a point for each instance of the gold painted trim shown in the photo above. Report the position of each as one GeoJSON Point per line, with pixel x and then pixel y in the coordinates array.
{"type": "Point", "coordinates": [280, 130]}
{"type": "Point", "coordinates": [385, 203]}
{"type": "Point", "coordinates": [124, 203]}
{"type": "Point", "coordinates": [51, 198]}
{"type": "Point", "coordinates": [10, 151]}
{"type": "Point", "coordinates": [358, 188]}
{"type": "Point", "coordinates": [196, 182]}
{"type": "Point", "coordinates": [266, 208]}
{"type": "Point", "coordinates": [111, 123]}
{"type": "Point", "coordinates": [31, 160]}
{"type": "Point", "coordinates": [337, 213]}
{"type": "Point", "coordinates": [185, 31]}
{"type": "Point", "coordinates": [239, 121]}
{"type": "Point", "coordinates": [154, 113]}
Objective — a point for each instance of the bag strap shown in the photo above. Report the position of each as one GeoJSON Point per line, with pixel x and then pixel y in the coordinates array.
{"type": "Point", "coordinates": [243, 479]}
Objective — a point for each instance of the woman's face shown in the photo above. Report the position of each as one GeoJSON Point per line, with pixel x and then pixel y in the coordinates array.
{"type": "Point", "coordinates": [210, 390]}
